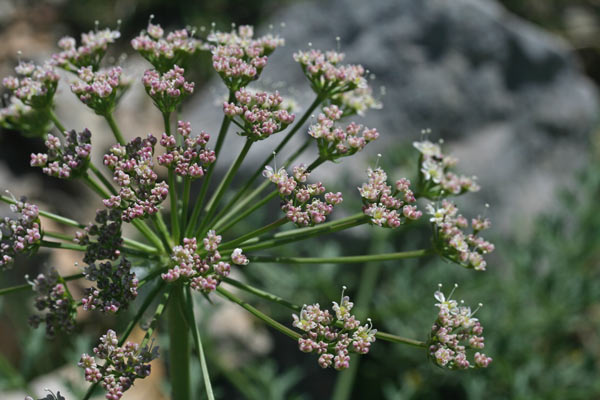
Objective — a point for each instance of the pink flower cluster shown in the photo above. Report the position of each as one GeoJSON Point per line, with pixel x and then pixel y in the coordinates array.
{"type": "Point", "coordinates": [36, 85]}
{"type": "Point", "coordinates": [22, 118]}
{"type": "Point", "coordinates": [167, 89]}
{"type": "Point", "coordinates": [436, 179]}
{"type": "Point", "coordinates": [203, 273]}
{"type": "Point", "coordinates": [325, 73]}
{"type": "Point", "coordinates": [190, 159]}
{"type": "Point", "coordinates": [333, 337]}
{"type": "Point", "coordinates": [335, 142]}
{"type": "Point", "coordinates": [385, 206]}
{"type": "Point", "coordinates": [238, 57]}
{"type": "Point", "coordinates": [89, 54]}
{"type": "Point", "coordinates": [100, 90]}
{"type": "Point", "coordinates": [454, 244]}
{"type": "Point", "coordinates": [132, 166]}
{"type": "Point", "coordinates": [66, 160]}
{"type": "Point", "coordinates": [53, 296]}
{"type": "Point", "coordinates": [20, 235]}
{"type": "Point", "coordinates": [164, 52]}
{"type": "Point", "coordinates": [301, 202]}
{"type": "Point", "coordinates": [124, 364]}
{"type": "Point", "coordinates": [260, 114]}
{"type": "Point", "coordinates": [454, 331]}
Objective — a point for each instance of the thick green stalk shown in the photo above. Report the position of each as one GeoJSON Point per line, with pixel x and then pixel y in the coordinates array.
{"type": "Point", "coordinates": [244, 213]}
{"type": "Point", "coordinates": [148, 234]}
{"type": "Point", "coordinates": [214, 201]}
{"type": "Point", "coordinates": [344, 259]}
{"type": "Point", "coordinates": [268, 320]}
{"type": "Point", "coordinates": [187, 185]}
{"type": "Point", "coordinates": [163, 234]}
{"type": "Point", "coordinates": [115, 129]}
{"type": "Point", "coordinates": [191, 226]}
{"type": "Point", "coordinates": [61, 245]}
{"type": "Point", "coordinates": [191, 319]}
{"type": "Point", "coordinates": [179, 347]}
{"type": "Point", "coordinates": [26, 286]}
{"type": "Point", "coordinates": [55, 121]}
{"type": "Point", "coordinates": [254, 233]}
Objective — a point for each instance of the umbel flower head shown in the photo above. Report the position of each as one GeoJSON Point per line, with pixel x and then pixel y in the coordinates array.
{"type": "Point", "coordinates": [20, 117]}
{"type": "Point", "coordinates": [20, 235]}
{"type": "Point", "coordinates": [201, 273]}
{"type": "Point", "coordinates": [452, 243]}
{"type": "Point", "coordinates": [65, 160]}
{"type": "Point", "coordinates": [34, 85]}
{"type": "Point", "coordinates": [333, 336]}
{"type": "Point", "coordinates": [356, 101]}
{"type": "Point", "coordinates": [302, 203]}
{"type": "Point", "coordinates": [100, 90]}
{"type": "Point", "coordinates": [123, 364]}
{"type": "Point", "coordinates": [435, 178]}
{"type": "Point", "coordinates": [335, 142]}
{"type": "Point", "coordinates": [89, 53]}
{"type": "Point", "coordinates": [454, 333]}
{"type": "Point", "coordinates": [132, 166]}
{"type": "Point", "coordinates": [327, 75]}
{"type": "Point", "coordinates": [191, 158]}
{"type": "Point", "coordinates": [54, 297]}
{"type": "Point", "coordinates": [258, 114]}
{"type": "Point", "coordinates": [164, 52]}
{"type": "Point", "coordinates": [239, 57]}
{"type": "Point", "coordinates": [167, 89]}
{"type": "Point", "coordinates": [385, 206]}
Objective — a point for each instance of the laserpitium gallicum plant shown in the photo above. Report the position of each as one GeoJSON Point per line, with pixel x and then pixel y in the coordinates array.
{"type": "Point", "coordinates": [193, 248]}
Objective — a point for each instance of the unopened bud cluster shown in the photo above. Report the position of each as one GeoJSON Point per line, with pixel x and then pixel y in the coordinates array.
{"type": "Point", "coordinates": [258, 114]}
{"type": "Point", "coordinates": [386, 206]}
{"type": "Point", "coordinates": [164, 52]}
{"type": "Point", "coordinates": [452, 243]}
{"type": "Point", "coordinates": [132, 165]}
{"type": "Point", "coordinates": [203, 273]}
{"type": "Point", "coordinates": [302, 204]}
{"type": "Point", "coordinates": [89, 54]}
{"type": "Point", "coordinates": [167, 89]}
{"type": "Point", "coordinates": [53, 297]}
{"type": "Point", "coordinates": [21, 235]}
{"type": "Point", "coordinates": [192, 158]}
{"type": "Point", "coordinates": [35, 84]}
{"type": "Point", "coordinates": [238, 57]}
{"type": "Point", "coordinates": [115, 284]}
{"type": "Point", "coordinates": [123, 364]}
{"type": "Point", "coordinates": [436, 178]}
{"type": "Point", "coordinates": [327, 75]}
{"type": "Point", "coordinates": [453, 333]}
{"type": "Point", "coordinates": [333, 337]}
{"type": "Point", "coordinates": [65, 160]}
{"type": "Point", "coordinates": [100, 90]}
{"type": "Point", "coordinates": [335, 142]}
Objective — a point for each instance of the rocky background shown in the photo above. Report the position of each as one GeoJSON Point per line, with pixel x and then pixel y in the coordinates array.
{"type": "Point", "coordinates": [517, 103]}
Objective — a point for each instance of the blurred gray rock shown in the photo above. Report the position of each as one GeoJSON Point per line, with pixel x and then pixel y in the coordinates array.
{"type": "Point", "coordinates": [508, 98]}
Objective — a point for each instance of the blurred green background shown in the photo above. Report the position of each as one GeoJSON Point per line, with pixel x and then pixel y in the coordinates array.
{"type": "Point", "coordinates": [541, 293]}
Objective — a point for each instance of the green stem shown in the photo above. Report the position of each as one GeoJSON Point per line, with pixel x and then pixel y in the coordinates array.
{"type": "Point", "coordinates": [102, 178]}
{"type": "Point", "coordinates": [257, 232]}
{"type": "Point", "coordinates": [163, 233]}
{"type": "Point", "coordinates": [147, 301]}
{"type": "Point", "coordinates": [179, 347]}
{"type": "Point", "coordinates": [245, 213]}
{"type": "Point", "coordinates": [148, 234]}
{"type": "Point", "coordinates": [55, 121]}
{"type": "Point", "coordinates": [344, 259]}
{"type": "Point", "coordinates": [293, 235]}
{"type": "Point", "coordinates": [191, 226]}
{"type": "Point", "coordinates": [214, 201]}
{"type": "Point", "coordinates": [187, 185]}
{"type": "Point", "coordinates": [49, 215]}
{"type": "Point", "coordinates": [198, 342]}
{"type": "Point", "coordinates": [268, 320]}
{"type": "Point", "coordinates": [242, 205]}
{"type": "Point", "coordinates": [60, 245]}
{"type": "Point", "coordinates": [261, 293]}
{"type": "Point", "coordinates": [115, 129]}
{"type": "Point", "coordinates": [95, 186]}
{"type": "Point", "coordinates": [26, 286]}
{"type": "Point", "coordinates": [172, 187]}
